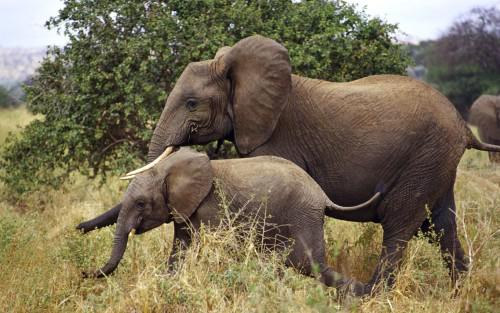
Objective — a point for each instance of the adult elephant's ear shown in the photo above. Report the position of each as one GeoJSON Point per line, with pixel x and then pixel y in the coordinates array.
{"type": "Point", "coordinates": [189, 180]}
{"type": "Point", "coordinates": [260, 73]}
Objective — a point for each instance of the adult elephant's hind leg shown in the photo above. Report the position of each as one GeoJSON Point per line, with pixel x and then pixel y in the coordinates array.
{"type": "Point", "coordinates": [443, 223]}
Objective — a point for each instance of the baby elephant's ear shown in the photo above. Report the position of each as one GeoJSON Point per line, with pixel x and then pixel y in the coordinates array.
{"type": "Point", "coordinates": [189, 180]}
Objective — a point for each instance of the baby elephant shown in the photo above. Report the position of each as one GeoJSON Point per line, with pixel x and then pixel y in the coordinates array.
{"type": "Point", "coordinates": [185, 188]}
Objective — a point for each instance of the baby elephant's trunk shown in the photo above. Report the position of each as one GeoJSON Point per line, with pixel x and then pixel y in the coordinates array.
{"type": "Point", "coordinates": [119, 247]}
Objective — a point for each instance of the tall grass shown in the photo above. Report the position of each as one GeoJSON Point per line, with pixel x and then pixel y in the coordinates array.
{"type": "Point", "coordinates": [42, 256]}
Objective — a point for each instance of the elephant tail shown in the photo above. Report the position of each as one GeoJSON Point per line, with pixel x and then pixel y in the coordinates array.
{"type": "Point", "coordinates": [475, 143]}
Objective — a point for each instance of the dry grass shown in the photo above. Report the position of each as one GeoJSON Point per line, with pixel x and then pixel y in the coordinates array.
{"type": "Point", "coordinates": [41, 257]}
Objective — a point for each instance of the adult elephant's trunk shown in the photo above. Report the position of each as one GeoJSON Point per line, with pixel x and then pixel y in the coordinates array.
{"type": "Point", "coordinates": [164, 135]}
{"type": "Point", "coordinates": [158, 143]}
{"type": "Point", "coordinates": [163, 142]}
{"type": "Point", "coordinates": [119, 247]}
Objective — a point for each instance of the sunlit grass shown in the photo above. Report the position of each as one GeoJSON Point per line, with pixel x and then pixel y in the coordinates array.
{"type": "Point", "coordinates": [12, 119]}
{"type": "Point", "coordinates": [42, 256]}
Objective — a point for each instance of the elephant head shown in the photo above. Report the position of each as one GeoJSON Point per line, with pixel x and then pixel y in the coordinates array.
{"type": "Point", "coordinates": [238, 95]}
{"type": "Point", "coordinates": [173, 189]}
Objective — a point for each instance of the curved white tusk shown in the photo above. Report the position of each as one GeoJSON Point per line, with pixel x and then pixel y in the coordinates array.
{"type": "Point", "coordinates": [127, 177]}
{"type": "Point", "coordinates": [150, 165]}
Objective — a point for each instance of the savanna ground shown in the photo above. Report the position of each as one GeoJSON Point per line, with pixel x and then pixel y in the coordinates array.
{"type": "Point", "coordinates": [42, 256]}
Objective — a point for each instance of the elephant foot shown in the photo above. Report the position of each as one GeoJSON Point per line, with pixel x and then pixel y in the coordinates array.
{"type": "Point", "coordinates": [171, 270]}
{"type": "Point", "coordinates": [345, 286]}
{"type": "Point", "coordinates": [355, 288]}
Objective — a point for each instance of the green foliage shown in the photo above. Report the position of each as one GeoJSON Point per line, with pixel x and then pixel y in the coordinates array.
{"type": "Point", "coordinates": [465, 62]}
{"type": "Point", "coordinates": [463, 84]}
{"type": "Point", "coordinates": [102, 93]}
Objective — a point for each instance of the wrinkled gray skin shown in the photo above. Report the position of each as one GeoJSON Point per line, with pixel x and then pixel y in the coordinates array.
{"type": "Point", "coordinates": [347, 136]}
{"type": "Point", "coordinates": [181, 188]}
{"type": "Point", "coordinates": [485, 114]}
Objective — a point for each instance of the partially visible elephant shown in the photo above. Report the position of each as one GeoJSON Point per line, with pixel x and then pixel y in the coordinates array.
{"type": "Point", "coordinates": [185, 188]}
{"type": "Point", "coordinates": [347, 136]}
{"type": "Point", "coordinates": [485, 114]}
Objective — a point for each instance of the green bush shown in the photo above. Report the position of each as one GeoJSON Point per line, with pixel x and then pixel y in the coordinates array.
{"type": "Point", "coordinates": [102, 93]}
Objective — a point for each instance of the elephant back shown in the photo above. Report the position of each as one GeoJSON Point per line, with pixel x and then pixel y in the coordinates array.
{"type": "Point", "coordinates": [270, 179]}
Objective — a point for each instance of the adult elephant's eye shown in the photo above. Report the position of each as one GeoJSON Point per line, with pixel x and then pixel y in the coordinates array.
{"type": "Point", "coordinates": [191, 104]}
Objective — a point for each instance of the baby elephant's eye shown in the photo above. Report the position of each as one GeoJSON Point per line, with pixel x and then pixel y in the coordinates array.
{"type": "Point", "coordinates": [191, 104]}
{"type": "Point", "coordinates": [141, 205]}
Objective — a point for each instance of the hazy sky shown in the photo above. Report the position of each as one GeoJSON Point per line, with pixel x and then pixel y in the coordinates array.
{"type": "Point", "coordinates": [422, 19]}
{"type": "Point", "coordinates": [21, 21]}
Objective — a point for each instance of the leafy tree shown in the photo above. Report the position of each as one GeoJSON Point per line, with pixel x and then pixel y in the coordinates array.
{"type": "Point", "coordinates": [465, 62]}
{"type": "Point", "coordinates": [102, 93]}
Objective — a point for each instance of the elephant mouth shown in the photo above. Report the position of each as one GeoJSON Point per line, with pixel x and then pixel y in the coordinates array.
{"type": "Point", "coordinates": [140, 230]}
{"type": "Point", "coordinates": [145, 226]}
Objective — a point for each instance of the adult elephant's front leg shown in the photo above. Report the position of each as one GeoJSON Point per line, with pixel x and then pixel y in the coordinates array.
{"type": "Point", "coordinates": [107, 218]}
{"type": "Point", "coordinates": [444, 225]}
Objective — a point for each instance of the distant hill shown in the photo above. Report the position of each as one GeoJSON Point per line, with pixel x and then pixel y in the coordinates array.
{"type": "Point", "coordinates": [18, 64]}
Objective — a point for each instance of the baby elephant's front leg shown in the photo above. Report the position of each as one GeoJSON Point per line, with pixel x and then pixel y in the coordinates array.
{"type": "Point", "coordinates": [182, 240]}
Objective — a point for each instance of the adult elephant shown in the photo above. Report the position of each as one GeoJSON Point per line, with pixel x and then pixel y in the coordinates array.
{"type": "Point", "coordinates": [347, 136]}
{"type": "Point", "coordinates": [485, 114]}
